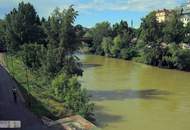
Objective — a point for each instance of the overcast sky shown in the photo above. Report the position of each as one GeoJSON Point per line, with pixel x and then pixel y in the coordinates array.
{"type": "Point", "coordinates": [93, 11]}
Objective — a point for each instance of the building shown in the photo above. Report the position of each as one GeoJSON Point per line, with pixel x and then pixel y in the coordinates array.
{"type": "Point", "coordinates": [185, 13]}
{"type": "Point", "coordinates": [162, 15]}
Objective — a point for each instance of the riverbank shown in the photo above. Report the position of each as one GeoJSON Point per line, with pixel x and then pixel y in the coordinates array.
{"type": "Point", "coordinates": [34, 89]}
{"type": "Point", "coordinates": [166, 66]}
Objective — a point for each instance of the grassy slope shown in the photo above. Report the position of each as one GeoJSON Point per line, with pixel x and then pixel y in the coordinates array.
{"type": "Point", "coordinates": [37, 92]}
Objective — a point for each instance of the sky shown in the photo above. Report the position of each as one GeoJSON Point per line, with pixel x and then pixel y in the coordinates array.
{"type": "Point", "coordinates": [94, 11]}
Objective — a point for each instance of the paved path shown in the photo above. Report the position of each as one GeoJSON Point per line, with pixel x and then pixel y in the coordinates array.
{"type": "Point", "coordinates": [11, 111]}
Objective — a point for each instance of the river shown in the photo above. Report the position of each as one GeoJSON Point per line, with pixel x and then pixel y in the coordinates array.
{"type": "Point", "coordinates": [133, 96]}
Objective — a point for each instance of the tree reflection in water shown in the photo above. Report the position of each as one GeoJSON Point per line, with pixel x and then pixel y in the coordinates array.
{"type": "Point", "coordinates": [128, 94]}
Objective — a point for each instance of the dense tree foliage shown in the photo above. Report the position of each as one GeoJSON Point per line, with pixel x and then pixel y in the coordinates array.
{"type": "Point", "coordinates": [62, 42]}
{"type": "Point", "coordinates": [173, 30]}
{"type": "Point", "coordinates": [23, 26]}
{"type": "Point", "coordinates": [154, 43]}
{"type": "Point", "coordinates": [150, 29]}
{"type": "Point", "coordinates": [163, 42]}
{"type": "Point", "coordinates": [113, 41]}
{"type": "Point", "coordinates": [47, 47]}
{"type": "Point", "coordinates": [97, 34]}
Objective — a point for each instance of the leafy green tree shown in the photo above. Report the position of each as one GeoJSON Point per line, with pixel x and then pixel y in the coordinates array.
{"type": "Point", "coordinates": [117, 45]}
{"type": "Point", "coordinates": [106, 45]}
{"type": "Point", "coordinates": [150, 29]}
{"type": "Point", "coordinates": [173, 30]}
{"type": "Point", "coordinates": [63, 42]}
{"type": "Point", "coordinates": [123, 29]}
{"type": "Point", "coordinates": [23, 26]}
{"type": "Point", "coordinates": [97, 33]}
{"type": "Point", "coordinates": [68, 39]}
{"type": "Point", "coordinates": [52, 28]}
{"type": "Point", "coordinates": [80, 31]}
{"type": "Point", "coordinates": [120, 28]}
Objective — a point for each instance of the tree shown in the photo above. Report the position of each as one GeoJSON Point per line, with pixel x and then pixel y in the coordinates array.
{"type": "Point", "coordinates": [173, 30]}
{"type": "Point", "coordinates": [63, 42]}
{"type": "Point", "coordinates": [100, 31]}
{"type": "Point", "coordinates": [23, 26]}
{"type": "Point", "coordinates": [106, 45]}
{"type": "Point", "coordinates": [120, 28]}
{"type": "Point", "coordinates": [150, 29]}
{"type": "Point", "coordinates": [52, 28]}
{"type": "Point", "coordinates": [68, 39]}
{"type": "Point", "coordinates": [117, 45]}
{"type": "Point", "coordinates": [80, 31]}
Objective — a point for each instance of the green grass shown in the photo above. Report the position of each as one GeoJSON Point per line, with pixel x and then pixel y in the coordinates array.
{"type": "Point", "coordinates": [35, 90]}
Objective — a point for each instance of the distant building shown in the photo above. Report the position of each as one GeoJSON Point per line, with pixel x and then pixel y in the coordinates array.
{"type": "Point", "coordinates": [185, 13]}
{"type": "Point", "coordinates": [162, 15]}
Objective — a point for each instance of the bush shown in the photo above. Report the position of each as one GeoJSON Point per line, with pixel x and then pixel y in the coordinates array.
{"type": "Point", "coordinates": [68, 90]}
{"type": "Point", "coordinates": [128, 53]}
{"type": "Point", "coordinates": [183, 60]}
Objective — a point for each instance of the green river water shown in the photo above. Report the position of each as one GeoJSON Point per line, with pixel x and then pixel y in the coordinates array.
{"type": "Point", "coordinates": [133, 96]}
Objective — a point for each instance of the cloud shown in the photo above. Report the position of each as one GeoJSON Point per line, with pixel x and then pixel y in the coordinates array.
{"type": "Point", "coordinates": [44, 7]}
{"type": "Point", "coordinates": [126, 5]}
{"type": "Point", "coordinates": [95, 10]}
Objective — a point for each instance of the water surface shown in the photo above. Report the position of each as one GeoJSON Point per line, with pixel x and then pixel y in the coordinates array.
{"type": "Point", "coordinates": [133, 96]}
